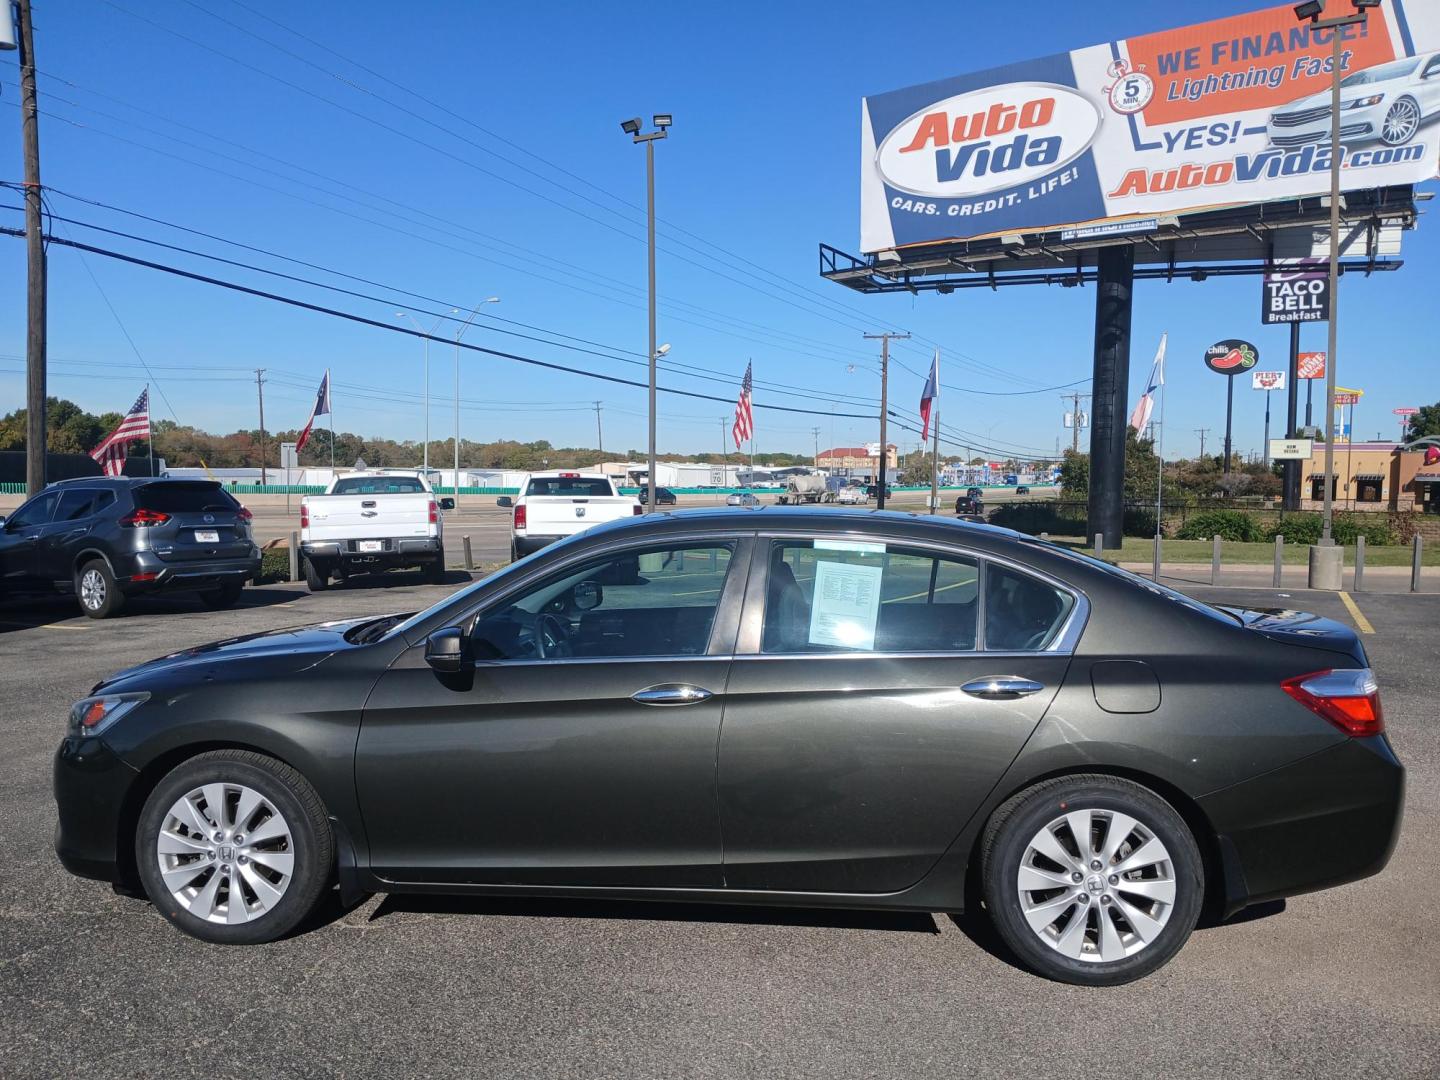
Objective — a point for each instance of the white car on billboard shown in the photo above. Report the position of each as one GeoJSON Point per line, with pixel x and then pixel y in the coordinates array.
{"type": "Point", "coordinates": [1387, 102]}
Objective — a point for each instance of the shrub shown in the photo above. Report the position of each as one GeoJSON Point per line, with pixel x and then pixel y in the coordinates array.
{"type": "Point", "coordinates": [1307, 528]}
{"type": "Point", "coordinates": [1226, 524]}
{"type": "Point", "coordinates": [274, 565]}
{"type": "Point", "coordinates": [1139, 523]}
{"type": "Point", "coordinates": [1037, 518]}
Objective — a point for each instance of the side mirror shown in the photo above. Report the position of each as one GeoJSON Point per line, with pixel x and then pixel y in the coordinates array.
{"type": "Point", "coordinates": [587, 595]}
{"type": "Point", "coordinates": [447, 504]}
{"type": "Point", "coordinates": [504, 500]}
{"type": "Point", "coordinates": [448, 651]}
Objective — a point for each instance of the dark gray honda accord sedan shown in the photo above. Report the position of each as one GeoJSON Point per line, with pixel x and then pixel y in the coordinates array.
{"type": "Point", "coordinates": [783, 706]}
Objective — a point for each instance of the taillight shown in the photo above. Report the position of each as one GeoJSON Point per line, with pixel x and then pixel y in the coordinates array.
{"type": "Point", "coordinates": [304, 516]}
{"type": "Point", "coordinates": [634, 510]}
{"type": "Point", "coordinates": [143, 519]}
{"type": "Point", "coordinates": [1347, 697]}
{"type": "Point", "coordinates": [245, 515]}
{"type": "Point", "coordinates": [520, 517]}
{"type": "Point", "coordinates": [434, 513]}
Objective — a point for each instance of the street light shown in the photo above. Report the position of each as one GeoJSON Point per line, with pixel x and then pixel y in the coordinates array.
{"type": "Point", "coordinates": [458, 333]}
{"type": "Point", "coordinates": [1326, 560]}
{"type": "Point", "coordinates": [662, 122]}
{"type": "Point", "coordinates": [428, 336]}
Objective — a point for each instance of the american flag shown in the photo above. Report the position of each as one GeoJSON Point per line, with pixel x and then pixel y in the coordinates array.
{"type": "Point", "coordinates": [136, 425]}
{"type": "Point", "coordinates": [928, 396]}
{"type": "Point", "coordinates": [322, 407]}
{"type": "Point", "coordinates": [744, 427]}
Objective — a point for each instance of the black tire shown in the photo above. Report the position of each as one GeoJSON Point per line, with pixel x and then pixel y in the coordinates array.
{"type": "Point", "coordinates": [434, 572]}
{"type": "Point", "coordinates": [227, 596]}
{"type": "Point", "coordinates": [96, 591]}
{"type": "Point", "coordinates": [316, 577]}
{"type": "Point", "coordinates": [1019, 820]}
{"type": "Point", "coordinates": [297, 802]}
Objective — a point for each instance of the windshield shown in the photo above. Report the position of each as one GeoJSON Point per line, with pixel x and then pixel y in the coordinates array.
{"type": "Point", "coordinates": [378, 485]}
{"type": "Point", "coordinates": [1381, 73]}
{"type": "Point", "coordinates": [1152, 587]}
{"type": "Point", "coordinates": [577, 487]}
{"type": "Point", "coordinates": [184, 496]}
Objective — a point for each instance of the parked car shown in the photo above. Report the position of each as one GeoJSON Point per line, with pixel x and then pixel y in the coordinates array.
{"type": "Point", "coordinates": [1388, 102]}
{"type": "Point", "coordinates": [1095, 757]}
{"type": "Point", "coordinates": [372, 522]}
{"type": "Point", "coordinates": [849, 495]}
{"type": "Point", "coordinates": [104, 539]}
{"type": "Point", "coordinates": [663, 496]}
{"type": "Point", "coordinates": [556, 505]}
{"type": "Point", "coordinates": [741, 498]}
{"type": "Point", "coordinates": [969, 506]}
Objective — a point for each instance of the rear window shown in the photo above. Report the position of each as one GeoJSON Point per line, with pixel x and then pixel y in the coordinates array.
{"type": "Point", "coordinates": [184, 496]}
{"type": "Point", "coordinates": [576, 487]}
{"type": "Point", "coordinates": [378, 485]}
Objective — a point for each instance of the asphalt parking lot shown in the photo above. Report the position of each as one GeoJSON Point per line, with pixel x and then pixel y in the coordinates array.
{"type": "Point", "coordinates": [1342, 983]}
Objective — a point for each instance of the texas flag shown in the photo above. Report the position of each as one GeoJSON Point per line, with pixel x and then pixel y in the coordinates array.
{"type": "Point", "coordinates": [929, 395]}
{"type": "Point", "coordinates": [322, 408]}
{"type": "Point", "coordinates": [1141, 416]}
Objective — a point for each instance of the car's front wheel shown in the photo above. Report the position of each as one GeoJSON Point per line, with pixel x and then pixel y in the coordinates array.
{"type": "Point", "coordinates": [234, 847]}
{"type": "Point", "coordinates": [1092, 879]}
{"type": "Point", "coordinates": [1402, 121]}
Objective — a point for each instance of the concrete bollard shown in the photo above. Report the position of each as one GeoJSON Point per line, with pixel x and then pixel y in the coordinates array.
{"type": "Point", "coordinates": [1359, 563]}
{"type": "Point", "coordinates": [294, 556]}
{"type": "Point", "coordinates": [1045, 536]}
{"type": "Point", "coordinates": [1215, 560]}
{"type": "Point", "coordinates": [469, 559]}
{"type": "Point", "coordinates": [1155, 570]}
{"type": "Point", "coordinates": [1327, 567]}
{"type": "Point", "coordinates": [1099, 544]}
{"type": "Point", "coordinates": [1415, 563]}
{"type": "Point", "coordinates": [1279, 558]}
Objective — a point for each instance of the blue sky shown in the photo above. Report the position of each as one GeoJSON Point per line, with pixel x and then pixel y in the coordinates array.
{"type": "Point", "coordinates": [762, 161]}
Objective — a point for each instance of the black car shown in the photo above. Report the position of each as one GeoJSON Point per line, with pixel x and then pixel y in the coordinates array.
{"type": "Point", "coordinates": [917, 714]}
{"type": "Point", "coordinates": [872, 491]}
{"type": "Point", "coordinates": [106, 538]}
{"type": "Point", "coordinates": [1022, 489]}
{"type": "Point", "coordinates": [663, 496]}
{"type": "Point", "coordinates": [969, 506]}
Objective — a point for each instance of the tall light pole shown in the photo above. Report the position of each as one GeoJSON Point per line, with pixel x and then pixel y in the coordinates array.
{"type": "Point", "coordinates": [1326, 560]}
{"type": "Point", "coordinates": [458, 334]}
{"type": "Point", "coordinates": [428, 335]}
{"type": "Point", "coordinates": [632, 128]}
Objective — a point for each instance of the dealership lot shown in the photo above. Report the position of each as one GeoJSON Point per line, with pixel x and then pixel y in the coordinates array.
{"type": "Point", "coordinates": [1338, 983]}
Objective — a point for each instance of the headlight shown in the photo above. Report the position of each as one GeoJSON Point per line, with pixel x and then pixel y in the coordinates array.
{"type": "Point", "coordinates": [1366, 102]}
{"type": "Point", "coordinates": [92, 715]}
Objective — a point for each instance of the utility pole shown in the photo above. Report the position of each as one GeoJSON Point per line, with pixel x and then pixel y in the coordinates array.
{"type": "Point", "coordinates": [884, 408]}
{"type": "Point", "coordinates": [35, 433]}
{"type": "Point", "coordinates": [599, 434]}
{"type": "Point", "coordinates": [1202, 432]}
{"type": "Point", "coordinates": [260, 391]}
{"type": "Point", "coordinates": [815, 432]}
{"type": "Point", "coordinates": [1074, 400]}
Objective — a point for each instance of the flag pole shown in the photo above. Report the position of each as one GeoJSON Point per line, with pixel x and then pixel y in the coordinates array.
{"type": "Point", "coordinates": [1159, 479]}
{"type": "Point", "coordinates": [149, 431]}
{"type": "Point", "coordinates": [935, 467]}
{"type": "Point", "coordinates": [330, 393]}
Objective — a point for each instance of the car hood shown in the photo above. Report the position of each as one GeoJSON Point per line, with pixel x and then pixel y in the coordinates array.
{"type": "Point", "coordinates": [1300, 628]}
{"type": "Point", "coordinates": [296, 647]}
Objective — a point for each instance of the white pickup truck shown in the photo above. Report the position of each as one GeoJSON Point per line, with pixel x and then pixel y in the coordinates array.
{"type": "Point", "coordinates": [367, 522]}
{"type": "Point", "coordinates": [552, 506]}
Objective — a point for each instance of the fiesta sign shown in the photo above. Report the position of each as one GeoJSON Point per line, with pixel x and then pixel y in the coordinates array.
{"type": "Point", "coordinates": [988, 140]}
{"type": "Point", "coordinates": [1231, 356]}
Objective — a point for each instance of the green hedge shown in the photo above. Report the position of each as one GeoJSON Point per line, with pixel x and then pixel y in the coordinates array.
{"type": "Point", "coordinates": [1306, 529]}
{"type": "Point", "coordinates": [1036, 518]}
{"type": "Point", "coordinates": [1234, 525]}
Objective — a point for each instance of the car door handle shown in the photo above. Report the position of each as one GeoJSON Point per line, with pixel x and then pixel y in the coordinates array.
{"type": "Point", "coordinates": [671, 694]}
{"type": "Point", "coordinates": [1002, 687]}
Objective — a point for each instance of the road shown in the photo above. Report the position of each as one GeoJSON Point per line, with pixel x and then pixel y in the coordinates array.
{"type": "Point", "coordinates": [1342, 983]}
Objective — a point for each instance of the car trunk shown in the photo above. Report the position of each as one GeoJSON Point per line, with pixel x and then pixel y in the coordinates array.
{"type": "Point", "coordinates": [1301, 628]}
{"type": "Point", "coordinates": [203, 521]}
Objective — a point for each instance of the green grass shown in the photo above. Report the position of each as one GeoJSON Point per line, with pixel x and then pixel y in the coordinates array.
{"type": "Point", "coordinates": [1142, 550]}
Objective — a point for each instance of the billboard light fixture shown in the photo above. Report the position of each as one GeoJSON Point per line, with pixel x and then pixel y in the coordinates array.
{"type": "Point", "coordinates": [631, 127]}
{"type": "Point", "coordinates": [1311, 9]}
{"type": "Point", "coordinates": [663, 120]}
{"type": "Point", "coordinates": [1361, 5]}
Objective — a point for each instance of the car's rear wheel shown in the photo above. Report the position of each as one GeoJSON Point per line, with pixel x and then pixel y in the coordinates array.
{"type": "Point", "coordinates": [434, 572]}
{"type": "Point", "coordinates": [1091, 879]}
{"type": "Point", "coordinates": [234, 847]}
{"type": "Point", "coordinates": [226, 596]}
{"type": "Point", "coordinates": [317, 577]}
{"type": "Point", "coordinates": [96, 590]}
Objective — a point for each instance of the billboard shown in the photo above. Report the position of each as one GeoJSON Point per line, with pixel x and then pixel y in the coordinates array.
{"type": "Point", "coordinates": [1298, 290]}
{"type": "Point", "coordinates": [1232, 111]}
{"type": "Point", "coordinates": [1311, 365]}
{"type": "Point", "coordinates": [1231, 357]}
{"type": "Point", "coordinates": [1267, 380]}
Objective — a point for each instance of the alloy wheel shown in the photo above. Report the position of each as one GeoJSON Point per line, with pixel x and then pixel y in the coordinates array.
{"type": "Point", "coordinates": [225, 853]}
{"type": "Point", "coordinates": [1401, 122]}
{"type": "Point", "coordinates": [1096, 885]}
{"type": "Point", "coordinates": [92, 589]}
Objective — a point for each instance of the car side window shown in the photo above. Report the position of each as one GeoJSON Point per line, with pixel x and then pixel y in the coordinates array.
{"type": "Point", "coordinates": [1022, 613]}
{"type": "Point", "coordinates": [843, 596]}
{"type": "Point", "coordinates": [37, 511]}
{"type": "Point", "coordinates": [1432, 69]}
{"type": "Point", "coordinates": [77, 505]}
{"type": "Point", "coordinates": [658, 601]}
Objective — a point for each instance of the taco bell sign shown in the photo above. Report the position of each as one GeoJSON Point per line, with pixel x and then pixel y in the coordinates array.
{"type": "Point", "coordinates": [1296, 291]}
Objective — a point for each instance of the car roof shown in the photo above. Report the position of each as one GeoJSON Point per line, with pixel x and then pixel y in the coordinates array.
{"type": "Point", "coordinates": [127, 481]}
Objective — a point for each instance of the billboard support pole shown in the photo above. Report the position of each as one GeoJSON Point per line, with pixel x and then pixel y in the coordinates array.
{"type": "Point", "coordinates": [1229, 418]}
{"type": "Point", "coordinates": [1115, 284]}
{"type": "Point", "coordinates": [1291, 490]}
{"type": "Point", "coordinates": [1265, 456]}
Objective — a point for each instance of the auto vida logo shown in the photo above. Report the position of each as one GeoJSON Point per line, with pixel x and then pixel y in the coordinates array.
{"type": "Point", "coordinates": [988, 140]}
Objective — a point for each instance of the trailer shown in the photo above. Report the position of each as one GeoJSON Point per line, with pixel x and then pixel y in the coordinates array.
{"type": "Point", "coordinates": [805, 489]}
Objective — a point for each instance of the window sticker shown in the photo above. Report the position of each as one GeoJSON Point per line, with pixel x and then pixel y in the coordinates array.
{"type": "Point", "coordinates": [846, 605]}
{"type": "Point", "coordinates": [849, 545]}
